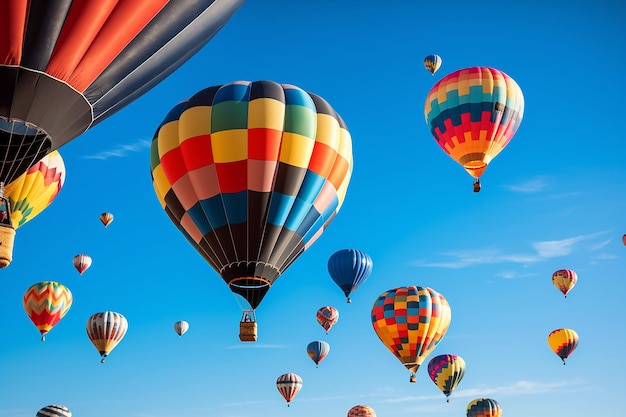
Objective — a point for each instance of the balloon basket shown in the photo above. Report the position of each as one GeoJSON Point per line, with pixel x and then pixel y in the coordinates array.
{"type": "Point", "coordinates": [248, 331]}
{"type": "Point", "coordinates": [7, 237]}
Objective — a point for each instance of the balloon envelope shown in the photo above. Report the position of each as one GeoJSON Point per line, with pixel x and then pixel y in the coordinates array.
{"type": "Point", "coordinates": [54, 411]}
{"type": "Point", "coordinates": [564, 280]}
{"type": "Point", "coordinates": [432, 63]}
{"type": "Point", "coordinates": [446, 371]}
{"type": "Point", "coordinates": [251, 173]}
{"type": "Point", "coordinates": [106, 330]}
{"type": "Point", "coordinates": [46, 303]}
{"type": "Point", "coordinates": [563, 342]}
{"type": "Point", "coordinates": [484, 407]}
{"type": "Point", "coordinates": [289, 385]}
{"type": "Point", "coordinates": [327, 316]}
{"type": "Point", "coordinates": [81, 262]}
{"type": "Point", "coordinates": [67, 65]}
{"type": "Point", "coordinates": [473, 113]}
{"type": "Point", "coordinates": [349, 268]}
{"type": "Point", "coordinates": [106, 219]}
{"type": "Point", "coordinates": [181, 327]}
{"type": "Point", "coordinates": [411, 321]}
{"type": "Point", "coordinates": [34, 190]}
{"type": "Point", "coordinates": [318, 350]}
{"type": "Point", "coordinates": [361, 411]}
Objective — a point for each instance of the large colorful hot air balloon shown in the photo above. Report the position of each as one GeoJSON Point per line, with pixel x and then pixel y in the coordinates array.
{"type": "Point", "coordinates": [181, 327]}
{"type": "Point", "coordinates": [81, 262]}
{"type": "Point", "coordinates": [564, 280]}
{"type": "Point", "coordinates": [106, 330]}
{"type": "Point", "coordinates": [473, 113]}
{"type": "Point", "coordinates": [484, 407]}
{"type": "Point", "coordinates": [106, 219]}
{"type": "Point", "coordinates": [349, 268]}
{"type": "Point", "coordinates": [432, 63]}
{"type": "Point", "coordinates": [251, 173]}
{"type": "Point", "coordinates": [54, 411]}
{"type": "Point", "coordinates": [327, 316]}
{"type": "Point", "coordinates": [361, 411]}
{"type": "Point", "coordinates": [411, 321]}
{"type": "Point", "coordinates": [27, 196]}
{"type": "Point", "coordinates": [446, 371]}
{"type": "Point", "coordinates": [289, 386]}
{"type": "Point", "coordinates": [563, 342]}
{"type": "Point", "coordinates": [46, 303]}
{"type": "Point", "coordinates": [317, 351]}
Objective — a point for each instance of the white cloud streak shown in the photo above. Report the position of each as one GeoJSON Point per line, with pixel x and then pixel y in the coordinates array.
{"type": "Point", "coordinates": [121, 151]}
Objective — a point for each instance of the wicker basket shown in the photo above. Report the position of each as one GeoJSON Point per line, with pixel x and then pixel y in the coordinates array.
{"type": "Point", "coordinates": [247, 331]}
{"type": "Point", "coordinates": [7, 236]}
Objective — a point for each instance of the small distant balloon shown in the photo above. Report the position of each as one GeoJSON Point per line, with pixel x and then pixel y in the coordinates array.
{"type": "Point", "coordinates": [289, 385]}
{"type": "Point", "coordinates": [327, 316]}
{"type": "Point", "coordinates": [563, 342]}
{"type": "Point", "coordinates": [317, 351]}
{"type": "Point", "coordinates": [349, 268]}
{"type": "Point", "coordinates": [54, 411]}
{"type": "Point", "coordinates": [46, 303]}
{"type": "Point", "coordinates": [484, 407]}
{"type": "Point", "coordinates": [361, 411]}
{"type": "Point", "coordinates": [564, 280]}
{"type": "Point", "coordinates": [432, 63]}
{"type": "Point", "coordinates": [106, 219]}
{"type": "Point", "coordinates": [446, 371]}
{"type": "Point", "coordinates": [181, 327]}
{"type": "Point", "coordinates": [624, 240]}
{"type": "Point", "coordinates": [106, 330]}
{"type": "Point", "coordinates": [82, 262]}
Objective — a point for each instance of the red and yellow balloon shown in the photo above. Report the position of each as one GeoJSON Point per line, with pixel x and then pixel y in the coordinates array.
{"type": "Point", "coordinates": [46, 303]}
{"type": "Point", "coordinates": [564, 280]}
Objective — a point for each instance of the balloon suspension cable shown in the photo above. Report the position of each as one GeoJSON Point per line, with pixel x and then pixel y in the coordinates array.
{"type": "Point", "coordinates": [1, 189]}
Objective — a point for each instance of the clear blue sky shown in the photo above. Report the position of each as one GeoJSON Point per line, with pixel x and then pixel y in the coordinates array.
{"type": "Point", "coordinates": [554, 198]}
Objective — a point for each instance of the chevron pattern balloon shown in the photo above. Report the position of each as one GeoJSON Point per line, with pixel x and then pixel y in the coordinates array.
{"type": "Point", "coordinates": [46, 303]}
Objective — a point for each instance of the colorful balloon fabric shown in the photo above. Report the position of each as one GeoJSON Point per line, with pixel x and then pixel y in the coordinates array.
{"type": "Point", "coordinates": [624, 240]}
{"type": "Point", "coordinates": [289, 386]}
{"type": "Point", "coordinates": [361, 411]}
{"type": "Point", "coordinates": [106, 330]}
{"type": "Point", "coordinates": [484, 407]}
{"type": "Point", "coordinates": [33, 191]}
{"type": "Point", "coordinates": [181, 327]}
{"type": "Point", "coordinates": [81, 262]}
{"type": "Point", "coordinates": [317, 351]}
{"type": "Point", "coordinates": [67, 65]}
{"type": "Point", "coordinates": [473, 113]}
{"type": "Point", "coordinates": [564, 280]}
{"type": "Point", "coordinates": [446, 371]}
{"type": "Point", "coordinates": [251, 173]}
{"type": "Point", "coordinates": [432, 63]}
{"type": "Point", "coordinates": [46, 303]}
{"type": "Point", "coordinates": [106, 219]}
{"type": "Point", "coordinates": [54, 411]}
{"type": "Point", "coordinates": [411, 321]}
{"type": "Point", "coordinates": [327, 316]}
{"type": "Point", "coordinates": [349, 268]}
{"type": "Point", "coordinates": [563, 342]}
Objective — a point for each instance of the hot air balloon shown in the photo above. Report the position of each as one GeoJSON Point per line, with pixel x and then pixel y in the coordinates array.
{"type": "Point", "coordinates": [484, 407]}
{"type": "Point", "coordinates": [317, 351]}
{"type": "Point", "coordinates": [564, 280]}
{"type": "Point", "coordinates": [432, 63]}
{"type": "Point", "coordinates": [563, 342]}
{"type": "Point", "coordinates": [349, 268]}
{"type": "Point", "coordinates": [473, 113]}
{"type": "Point", "coordinates": [361, 411]}
{"type": "Point", "coordinates": [27, 196]}
{"type": "Point", "coordinates": [411, 321]}
{"type": "Point", "coordinates": [46, 303]}
{"type": "Point", "coordinates": [327, 316]}
{"type": "Point", "coordinates": [106, 330]}
{"type": "Point", "coordinates": [251, 173]}
{"type": "Point", "coordinates": [67, 65]}
{"type": "Point", "coordinates": [54, 411]}
{"type": "Point", "coordinates": [181, 327]}
{"type": "Point", "coordinates": [106, 219]}
{"type": "Point", "coordinates": [81, 262]}
{"type": "Point", "coordinates": [289, 385]}
{"type": "Point", "coordinates": [446, 371]}
{"type": "Point", "coordinates": [624, 240]}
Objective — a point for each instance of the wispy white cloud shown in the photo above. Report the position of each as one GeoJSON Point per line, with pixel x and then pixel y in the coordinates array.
{"type": "Point", "coordinates": [540, 251]}
{"type": "Point", "coordinates": [121, 151]}
{"type": "Point", "coordinates": [533, 185]}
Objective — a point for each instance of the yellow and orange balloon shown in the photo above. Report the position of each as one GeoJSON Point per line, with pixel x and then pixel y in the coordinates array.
{"type": "Point", "coordinates": [564, 280]}
{"type": "Point", "coordinates": [563, 342]}
{"type": "Point", "coordinates": [46, 303]}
